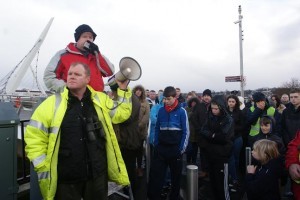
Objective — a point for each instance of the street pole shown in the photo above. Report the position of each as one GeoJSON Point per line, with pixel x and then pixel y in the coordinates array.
{"type": "Point", "coordinates": [241, 49]}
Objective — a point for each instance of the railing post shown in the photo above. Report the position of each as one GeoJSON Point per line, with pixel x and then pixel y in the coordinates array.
{"type": "Point", "coordinates": [192, 182]}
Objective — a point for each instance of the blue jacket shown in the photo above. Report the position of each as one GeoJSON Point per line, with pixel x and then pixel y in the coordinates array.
{"type": "Point", "coordinates": [153, 118]}
{"type": "Point", "coordinates": [172, 128]}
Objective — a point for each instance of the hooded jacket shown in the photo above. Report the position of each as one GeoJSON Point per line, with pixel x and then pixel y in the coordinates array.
{"type": "Point", "coordinates": [42, 137]}
{"type": "Point", "coordinates": [218, 132]}
{"type": "Point", "coordinates": [56, 72]}
{"type": "Point", "coordinates": [271, 136]}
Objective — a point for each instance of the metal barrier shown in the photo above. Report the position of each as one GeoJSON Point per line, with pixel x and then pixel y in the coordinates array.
{"type": "Point", "coordinates": [192, 182]}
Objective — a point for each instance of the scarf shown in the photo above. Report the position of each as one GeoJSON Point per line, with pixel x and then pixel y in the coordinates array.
{"type": "Point", "coordinates": [171, 107]}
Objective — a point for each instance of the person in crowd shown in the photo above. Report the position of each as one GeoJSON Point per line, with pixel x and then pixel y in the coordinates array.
{"type": "Point", "coordinates": [290, 125]}
{"type": "Point", "coordinates": [152, 99]}
{"type": "Point", "coordinates": [84, 50]}
{"type": "Point", "coordinates": [260, 108]}
{"type": "Point", "coordinates": [192, 108]}
{"type": "Point", "coordinates": [179, 96]}
{"type": "Point", "coordinates": [262, 180]}
{"type": "Point", "coordinates": [233, 108]}
{"type": "Point", "coordinates": [206, 97]}
{"type": "Point", "coordinates": [292, 163]}
{"type": "Point", "coordinates": [127, 134]}
{"type": "Point", "coordinates": [71, 142]}
{"type": "Point", "coordinates": [218, 133]}
{"type": "Point", "coordinates": [170, 141]}
{"type": "Point", "coordinates": [267, 131]}
{"type": "Point", "coordinates": [291, 117]}
{"type": "Point", "coordinates": [153, 118]}
{"type": "Point", "coordinates": [203, 115]}
{"type": "Point", "coordinates": [285, 99]}
{"type": "Point", "coordinates": [147, 93]}
{"type": "Point", "coordinates": [143, 122]}
{"type": "Point", "coordinates": [277, 104]}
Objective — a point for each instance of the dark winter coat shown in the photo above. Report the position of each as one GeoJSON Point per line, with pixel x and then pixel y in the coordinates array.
{"type": "Point", "coordinates": [264, 183]}
{"type": "Point", "coordinates": [218, 133]}
{"type": "Point", "coordinates": [290, 123]}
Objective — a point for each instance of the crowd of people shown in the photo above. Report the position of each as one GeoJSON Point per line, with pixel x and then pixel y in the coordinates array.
{"type": "Point", "coordinates": [80, 138]}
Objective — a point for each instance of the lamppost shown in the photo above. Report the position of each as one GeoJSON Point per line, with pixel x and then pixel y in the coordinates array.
{"type": "Point", "coordinates": [241, 49]}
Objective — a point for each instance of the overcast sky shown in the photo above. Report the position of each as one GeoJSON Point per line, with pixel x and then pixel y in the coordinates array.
{"type": "Point", "coordinates": [191, 44]}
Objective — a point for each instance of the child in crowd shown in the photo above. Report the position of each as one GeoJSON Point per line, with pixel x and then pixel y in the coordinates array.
{"type": "Point", "coordinates": [262, 181]}
{"type": "Point", "coordinates": [267, 128]}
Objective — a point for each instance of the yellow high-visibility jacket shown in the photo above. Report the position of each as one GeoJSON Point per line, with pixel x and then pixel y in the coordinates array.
{"type": "Point", "coordinates": [42, 136]}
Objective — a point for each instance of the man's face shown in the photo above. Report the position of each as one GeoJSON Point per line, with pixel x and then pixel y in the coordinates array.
{"type": "Point", "coordinates": [177, 93]}
{"type": "Point", "coordinates": [77, 78]}
{"type": "Point", "coordinates": [206, 98]}
{"type": "Point", "coordinates": [265, 128]}
{"type": "Point", "coordinates": [215, 109]}
{"type": "Point", "coordinates": [152, 95]}
{"type": "Point", "coordinates": [284, 98]}
{"type": "Point", "coordinates": [169, 100]}
{"type": "Point", "coordinates": [295, 99]}
{"type": "Point", "coordinates": [83, 38]}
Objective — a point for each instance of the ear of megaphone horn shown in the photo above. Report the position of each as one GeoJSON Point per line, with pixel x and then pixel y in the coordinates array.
{"type": "Point", "coordinates": [129, 70]}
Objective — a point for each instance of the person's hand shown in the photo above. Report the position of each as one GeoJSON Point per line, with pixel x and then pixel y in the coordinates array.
{"type": "Point", "coordinates": [294, 171]}
{"type": "Point", "coordinates": [123, 85]}
{"type": "Point", "coordinates": [261, 105]}
{"type": "Point", "coordinates": [251, 169]}
{"type": "Point", "coordinates": [91, 47]}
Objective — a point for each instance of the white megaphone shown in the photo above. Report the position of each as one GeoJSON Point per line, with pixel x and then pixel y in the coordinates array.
{"type": "Point", "coordinates": [129, 70]}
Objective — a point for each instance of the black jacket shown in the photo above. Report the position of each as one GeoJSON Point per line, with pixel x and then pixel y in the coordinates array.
{"type": "Point", "coordinates": [218, 133]}
{"type": "Point", "coordinates": [264, 183]}
{"type": "Point", "coordinates": [290, 123]}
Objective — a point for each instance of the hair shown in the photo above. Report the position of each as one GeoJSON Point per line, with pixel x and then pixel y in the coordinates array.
{"type": "Point", "coordinates": [277, 100]}
{"type": "Point", "coordinates": [266, 150]}
{"type": "Point", "coordinates": [142, 98]}
{"type": "Point", "coordinates": [295, 90]}
{"type": "Point", "coordinates": [265, 121]}
{"type": "Point", "coordinates": [85, 66]}
{"type": "Point", "coordinates": [237, 101]}
{"type": "Point", "coordinates": [169, 91]}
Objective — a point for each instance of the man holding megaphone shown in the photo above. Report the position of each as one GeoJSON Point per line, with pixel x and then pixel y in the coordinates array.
{"type": "Point", "coordinates": [85, 51]}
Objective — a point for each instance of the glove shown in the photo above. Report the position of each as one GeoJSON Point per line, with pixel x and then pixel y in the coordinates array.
{"type": "Point", "coordinates": [91, 47]}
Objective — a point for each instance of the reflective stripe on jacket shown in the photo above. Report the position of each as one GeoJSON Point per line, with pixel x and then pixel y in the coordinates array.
{"type": "Point", "coordinates": [42, 136]}
{"type": "Point", "coordinates": [255, 128]}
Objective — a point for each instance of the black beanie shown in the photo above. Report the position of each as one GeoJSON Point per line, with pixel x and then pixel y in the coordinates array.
{"type": "Point", "coordinates": [207, 92]}
{"type": "Point", "coordinates": [81, 29]}
{"type": "Point", "coordinates": [258, 96]}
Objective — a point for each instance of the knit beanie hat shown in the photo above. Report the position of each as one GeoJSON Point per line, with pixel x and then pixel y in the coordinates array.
{"type": "Point", "coordinates": [207, 92]}
{"type": "Point", "coordinates": [258, 96]}
{"type": "Point", "coordinates": [82, 29]}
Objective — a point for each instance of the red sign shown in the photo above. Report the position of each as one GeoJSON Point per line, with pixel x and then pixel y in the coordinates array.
{"type": "Point", "coordinates": [233, 79]}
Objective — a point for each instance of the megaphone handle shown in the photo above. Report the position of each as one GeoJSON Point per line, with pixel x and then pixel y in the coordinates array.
{"type": "Point", "coordinates": [98, 64]}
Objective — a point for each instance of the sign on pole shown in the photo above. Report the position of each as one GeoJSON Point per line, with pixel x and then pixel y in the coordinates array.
{"type": "Point", "coordinates": [233, 79]}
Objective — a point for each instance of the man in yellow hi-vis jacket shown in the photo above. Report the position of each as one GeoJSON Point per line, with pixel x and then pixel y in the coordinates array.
{"type": "Point", "coordinates": [71, 142]}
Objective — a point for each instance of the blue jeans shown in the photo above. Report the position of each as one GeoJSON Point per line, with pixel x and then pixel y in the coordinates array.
{"type": "Point", "coordinates": [234, 159]}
